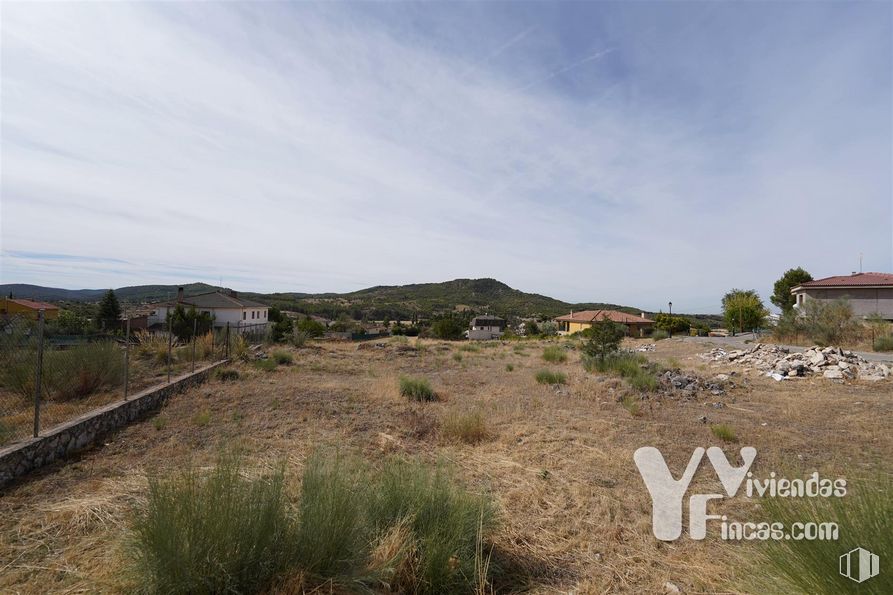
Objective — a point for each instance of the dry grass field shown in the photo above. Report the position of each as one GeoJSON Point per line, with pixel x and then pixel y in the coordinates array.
{"type": "Point", "coordinates": [575, 516]}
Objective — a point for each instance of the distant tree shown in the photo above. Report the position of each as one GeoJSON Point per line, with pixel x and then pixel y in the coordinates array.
{"type": "Point", "coordinates": [743, 309]}
{"type": "Point", "coordinates": [781, 296]}
{"type": "Point", "coordinates": [531, 328]}
{"type": "Point", "coordinates": [672, 324]}
{"type": "Point", "coordinates": [310, 327]}
{"type": "Point", "coordinates": [109, 311]}
{"type": "Point", "coordinates": [548, 329]}
{"type": "Point", "coordinates": [447, 328]}
{"type": "Point", "coordinates": [604, 338]}
{"type": "Point", "coordinates": [184, 322]}
{"type": "Point", "coordinates": [71, 323]}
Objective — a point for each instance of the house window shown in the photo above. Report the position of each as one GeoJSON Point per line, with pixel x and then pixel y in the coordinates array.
{"type": "Point", "coordinates": [252, 315]}
{"type": "Point", "coordinates": [244, 315]}
{"type": "Point", "coordinates": [265, 314]}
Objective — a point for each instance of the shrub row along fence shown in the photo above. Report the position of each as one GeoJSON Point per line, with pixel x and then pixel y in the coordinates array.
{"type": "Point", "coordinates": [43, 384]}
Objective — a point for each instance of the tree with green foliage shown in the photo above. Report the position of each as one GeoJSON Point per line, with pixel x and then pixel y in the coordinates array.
{"type": "Point", "coordinates": [743, 309]}
{"type": "Point", "coordinates": [604, 338]}
{"type": "Point", "coordinates": [109, 311]}
{"type": "Point", "coordinates": [311, 328]}
{"type": "Point", "coordinates": [71, 323]}
{"type": "Point", "coordinates": [281, 326]}
{"type": "Point", "coordinates": [184, 322]}
{"type": "Point", "coordinates": [447, 328]}
{"type": "Point", "coordinates": [672, 324]}
{"type": "Point", "coordinates": [781, 295]}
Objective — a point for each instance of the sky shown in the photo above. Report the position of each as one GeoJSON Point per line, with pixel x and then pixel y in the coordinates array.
{"type": "Point", "coordinates": [634, 153]}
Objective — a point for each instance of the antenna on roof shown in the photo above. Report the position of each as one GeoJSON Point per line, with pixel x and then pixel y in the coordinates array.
{"type": "Point", "coordinates": [860, 262]}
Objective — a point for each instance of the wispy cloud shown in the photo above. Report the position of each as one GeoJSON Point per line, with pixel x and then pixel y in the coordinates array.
{"type": "Point", "coordinates": [329, 147]}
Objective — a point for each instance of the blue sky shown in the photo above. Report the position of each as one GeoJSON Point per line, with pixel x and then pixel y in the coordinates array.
{"type": "Point", "coordinates": [626, 152]}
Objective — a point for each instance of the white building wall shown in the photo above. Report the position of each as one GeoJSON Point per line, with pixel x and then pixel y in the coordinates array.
{"type": "Point", "coordinates": [222, 316]}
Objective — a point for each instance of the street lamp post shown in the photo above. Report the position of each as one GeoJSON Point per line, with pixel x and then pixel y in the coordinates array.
{"type": "Point", "coordinates": [670, 330]}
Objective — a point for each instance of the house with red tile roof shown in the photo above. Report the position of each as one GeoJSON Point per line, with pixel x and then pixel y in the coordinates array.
{"type": "Point", "coordinates": [636, 326]}
{"type": "Point", "coordinates": [867, 293]}
{"type": "Point", "coordinates": [27, 308]}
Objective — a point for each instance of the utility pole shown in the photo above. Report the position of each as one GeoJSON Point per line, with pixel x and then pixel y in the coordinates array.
{"type": "Point", "coordinates": [670, 331]}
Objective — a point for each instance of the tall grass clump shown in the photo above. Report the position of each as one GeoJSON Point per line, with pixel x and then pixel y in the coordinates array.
{"type": "Point", "coordinates": [431, 528]}
{"type": "Point", "coordinates": [469, 428]}
{"type": "Point", "coordinates": [227, 374]}
{"type": "Point", "coordinates": [283, 358]}
{"type": "Point", "coordinates": [724, 432]}
{"type": "Point", "coordinates": [659, 334]}
{"type": "Point", "coordinates": [266, 365]}
{"type": "Point", "coordinates": [401, 526]}
{"type": "Point", "coordinates": [416, 389]}
{"type": "Point", "coordinates": [332, 539]}
{"type": "Point", "coordinates": [863, 516]}
{"type": "Point", "coordinates": [550, 377]}
{"type": "Point", "coordinates": [638, 371]}
{"type": "Point", "coordinates": [884, 343]}
{"type": "Point", "coordinates": [83, 370]}
{"type": "Point", "coordinates": [554, 354]}
{"type": "Point", "coordinates": [217, 533]}
{"type": "Point", "coordinates": [153, 347]}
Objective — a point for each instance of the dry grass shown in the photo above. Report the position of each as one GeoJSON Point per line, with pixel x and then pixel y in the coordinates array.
{"type": "Point", "coordinates": [575, 514]}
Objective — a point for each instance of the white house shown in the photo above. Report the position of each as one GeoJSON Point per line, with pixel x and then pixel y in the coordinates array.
{"type": "Point", "coordinates": [224, 307]}
{"type": "Point", "coordinates": [867, 293]}
{"type": "Point", "coordinates": [486, 327]}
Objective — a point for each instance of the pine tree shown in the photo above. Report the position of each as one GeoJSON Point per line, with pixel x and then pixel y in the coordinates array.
{"type": "Point", "coordinates": [109, 311]}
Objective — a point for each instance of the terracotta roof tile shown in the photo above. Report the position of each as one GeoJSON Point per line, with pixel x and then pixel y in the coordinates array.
{"type": "Point", "coordinates": [614, 315]}
{"type": "Point", "coordinates": [33, 304]}
{"type": "Point", "coordinates": [855, 280]}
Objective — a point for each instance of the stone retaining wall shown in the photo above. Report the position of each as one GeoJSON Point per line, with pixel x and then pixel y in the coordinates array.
{"type": "Point", "coordinates": [19, 459]}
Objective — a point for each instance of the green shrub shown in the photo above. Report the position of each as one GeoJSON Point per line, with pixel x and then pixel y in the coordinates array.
{"type": "Point", "coordinates": [884, 343]}
{"type": "Point", "coordinates": [632, 405]}
{"type": "Point", "coordinates": [283, 358]}
{"type": "Point", "coordinates": [470, 347]}
{"type": "Point", "coordinates": [724, 432]}
{"type": "Point", "coordinates": [864, 517]}
{"type": "Point", "coordinates": [401, 527]}
{"type": "Point", "coordinates": [659, 334]}
{"type": "Point", "coordinates": [227, 374]}
{"type": "Point", "coordinates": [554, 354]}
{"type": "Point", "coordinates": [159, 423]}
{"type": "Point", "coordinates": [457, 357]}
{"type": "Point", "coordinates": [509, 367]}
{"type": "Point", "coordinates": [219, 533]}
{"type": "Point", "coordinates": [83, 370]}
{"type": "Point", "coordinates": [266, 365]}
{"type": "Point", "coordinates": [469, 428]}
{"type": "Point", "coordinates": [442, 525]}
{"type": "Point", "coordinates": [332, 538]}
{"type": "Point", "coordinates": [638, 371]}
{"type": "Point", "coordinates": [550, 377]}
{"type": "Point", "coordinates": [416, 389]}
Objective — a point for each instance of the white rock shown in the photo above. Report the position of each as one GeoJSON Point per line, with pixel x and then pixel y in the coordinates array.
{"type": "Point", "coordinates": [670, 588]}
{"type": "Point", "coordinates": [833, 373]}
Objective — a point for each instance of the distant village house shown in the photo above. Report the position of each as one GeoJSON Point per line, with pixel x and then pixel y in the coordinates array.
{"type": "Point", "coordinates": [636, 326]}
{"type": "Point", "coordinates": [867, 293]}
{"type": "Point", "coordinates": [484, 328]}
{"type": "Point", "coordinates": [27, 308]}
{"type": "Point", "coordinates": [224, 307]}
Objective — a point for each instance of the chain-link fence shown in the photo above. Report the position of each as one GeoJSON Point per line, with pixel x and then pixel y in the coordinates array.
{"type": "Point", "coordinates": [44, 383]}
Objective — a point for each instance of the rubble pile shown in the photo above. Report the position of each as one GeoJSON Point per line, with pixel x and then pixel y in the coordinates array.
{"type": "Point", "coordinates": [779, 363]}
{"type": "Point", "coordinates": [690, 384]}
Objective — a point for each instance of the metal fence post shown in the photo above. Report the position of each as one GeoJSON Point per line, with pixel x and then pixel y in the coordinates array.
{"type": "Point", "coordinates": [38, 371]}
{"type": "Point", "coordinates": [170, 344]}
{"type": "Point", "coordinates": [227, 341]}
{"type": "Point", "coordinates": [127, 359]}
{"type": "Point", "coordinates": [194, 331]}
